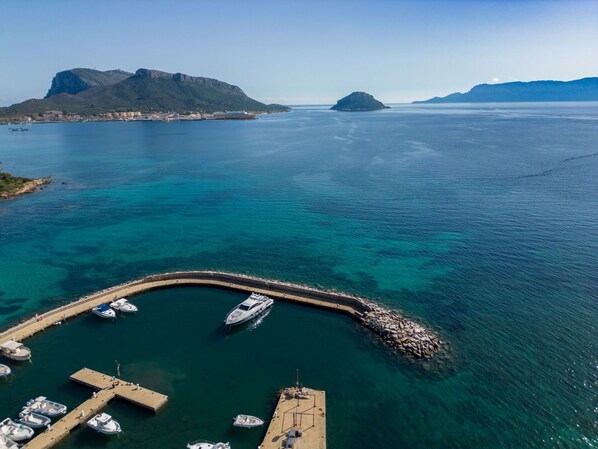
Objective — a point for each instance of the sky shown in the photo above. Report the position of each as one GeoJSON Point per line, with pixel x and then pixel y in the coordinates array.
{"type": "Point", "coordinates": [304, 51]}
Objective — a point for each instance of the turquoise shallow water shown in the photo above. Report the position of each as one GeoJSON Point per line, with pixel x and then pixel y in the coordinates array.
{"type": "Point", "coordinates": [480, 221]}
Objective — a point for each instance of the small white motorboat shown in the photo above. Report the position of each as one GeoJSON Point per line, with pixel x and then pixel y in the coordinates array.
{"type": "Point", "coordinates": [33, 420]}
{"type": "Point", "coordinates": [203, 444]}
{"type": "Point", "coordinates": [247, 421]}
{"type": "Point", "coordinates": [5, 443]}
{"type": "Point", "coordinates": [248, 309]}
{"type": "Point", "coordinates": [123, 305]}
{"type": "Point", "coordinates": [104, 311]}
{"type": "Point", "coordinates": [15, 431]}
{"type": "Point", "coordinates": [4, 370]}
{"type": "Point", "coordinates": [104, 423]}
{"type": "Point", "coordinates": [15, 351]}
{"type": "Point", "coordinates": [44, 406]}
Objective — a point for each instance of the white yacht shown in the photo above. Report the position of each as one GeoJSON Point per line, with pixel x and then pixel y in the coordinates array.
{"type": "Point", "coordinates": [247, 421]}
{"type": "Point", "coordinates": [33, 420]}
{"type": "Point", "coordinates": [4, 370]}
{"type": "Point", "coordinates": [14, 350]}
{"type": "Point", "coordinates": [203, 444]}
{"type": "Point", "coordinates": [6, 443]}
{"type": "Point", "coordinates": [45, 407]}
{"type": "Point", "coordinates": [248, 309]}
{"type": "Point", "coordinates": [15, 431]}
{"type": "Point", "coordinates": [123, 305]}
{"type": "Point", "coordinates": [103, 311]}
{"type": "Point", "coordinates": [104, 423]}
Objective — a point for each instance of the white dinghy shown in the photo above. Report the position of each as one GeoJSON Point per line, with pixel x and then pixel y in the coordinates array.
{"type": "Point", "coordinates": [203, 444]}
{"type": "Point", "coordinates": [104, 423]}
{"type": "Point", "coordinates": [32, 419]}
{"type": "Point", "coordinates": [5, 443]}
{"type": "Point", "coordinates": [123, 305]}
{"type": "Point", "coordinates": [247, 421]}
{"type": "Point", "coordinates": [15, 431]}
{"type": "Point", "coordinates": [44, 406]}
{"type": "Point", "coordinates": [248, 309]}
{"type": "Point", "coordinates": [104, 311]}
{"type": "Point", "coordinates": [4, 370]}
{"type": "Point", "coordinates": [15, 351]}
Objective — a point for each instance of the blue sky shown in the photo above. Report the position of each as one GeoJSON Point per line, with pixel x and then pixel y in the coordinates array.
{"type": "Point", "coordinates": [303, 52]}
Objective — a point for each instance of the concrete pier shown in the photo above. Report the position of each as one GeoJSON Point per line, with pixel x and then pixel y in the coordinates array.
{"type": "Point", "coordinates": [107, 389]}
{"type": "Point", "coordinates": [395, 329]}
{"type": "Point", "coordinates": [306, 413]}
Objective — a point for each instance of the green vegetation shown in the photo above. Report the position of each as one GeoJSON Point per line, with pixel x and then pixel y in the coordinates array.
{"type": "Point", "coordinates": [146, 91]}
{"type": "Point", "coordinates": [10, 184]}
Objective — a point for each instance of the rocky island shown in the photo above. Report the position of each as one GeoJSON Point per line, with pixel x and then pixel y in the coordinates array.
{"type": "Point", "coordinates": [12, 186]}
{"type": "Point", "coordinates": [358, 102]}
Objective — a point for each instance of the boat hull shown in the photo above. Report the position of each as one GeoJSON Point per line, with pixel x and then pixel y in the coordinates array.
{"type": "Point", "coordinates": [104, 315]}
{"type": "Point", "coordinates": [245, 318]}
{"type": "Point", "coordinates": [4, 370]}
{"type": "Point", "coordinates": [38, 422]}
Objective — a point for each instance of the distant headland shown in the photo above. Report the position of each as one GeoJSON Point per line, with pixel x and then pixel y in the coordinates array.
{"type": "Point", "coordinates": [358, 102]}
{"type": "Point", "coordinates": [585, 89]}
{"type": "Point", "coordinates": [12, 186]}
{"type": "Point", "coordinates": [80, 93]}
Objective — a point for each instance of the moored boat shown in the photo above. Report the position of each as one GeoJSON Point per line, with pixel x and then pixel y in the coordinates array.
{"type": "Point", "coordinates": [103, 311]}
{"type": "Point", "coordinates": [123, 305]}
{"type": "Point", "coordinates": [104, 423]}
{"type": "Point", "coordinates": [44, 406]}
{"type": "Point", "coordinates": [203, 444]}
{"type": "Point", "coordinates": [247, 421]}
{"type": "Point", "coordinates": [4, 370]}
{"type": "Point", "coordinates": [6, 443]}
{"type": "Point", "coordinates": [248, 309]}
{"type": "Point", "coordinates": [15, 431]}
{"type": "Point", "coordinates": [15, 351]}
{"type": "Point", "coordinates": [33, 420]}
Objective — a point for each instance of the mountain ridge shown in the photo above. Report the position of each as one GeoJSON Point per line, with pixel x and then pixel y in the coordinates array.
{"type": "Point", "coordinates": [146, 90]}
{"type": "Point", "coordinates": [583, 89]}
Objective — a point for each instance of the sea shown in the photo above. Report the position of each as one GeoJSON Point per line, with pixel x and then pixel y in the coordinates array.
{"type": "Point", "coordinates": [479, 221]}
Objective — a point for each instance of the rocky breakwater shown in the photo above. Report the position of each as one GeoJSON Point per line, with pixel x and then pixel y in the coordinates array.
{"type": "Point", "coordinates": [398, 332]}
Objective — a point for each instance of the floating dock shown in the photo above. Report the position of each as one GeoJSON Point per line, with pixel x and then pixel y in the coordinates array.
{"type": "Point", "coordinates": [305, 413]}
{"type": "Point", "coordinates": [107, 389]}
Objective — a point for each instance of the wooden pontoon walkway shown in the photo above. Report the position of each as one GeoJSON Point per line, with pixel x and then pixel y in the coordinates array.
{"type": "Point", "coordinates": [108, 388]}
{"type": "Point", "coordinates": [308, 414]}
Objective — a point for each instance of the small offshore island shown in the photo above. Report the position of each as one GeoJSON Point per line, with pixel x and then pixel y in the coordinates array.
{"type": "Point", "coordinates": [13, 186]}
{"type": "Point", "coordinates": [358, 102]}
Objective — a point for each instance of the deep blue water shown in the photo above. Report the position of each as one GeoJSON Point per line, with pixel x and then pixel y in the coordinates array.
{"type": "Point", "coordinates": [480, 221]}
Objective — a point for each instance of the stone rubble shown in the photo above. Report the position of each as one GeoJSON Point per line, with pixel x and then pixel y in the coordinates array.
{"type": "Point", "coordinates": [398, 332]}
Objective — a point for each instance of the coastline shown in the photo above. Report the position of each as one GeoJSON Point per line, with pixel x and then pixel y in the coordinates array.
{"type": "Point", "coordinates": [28, 187]}
{"type": "Point", "coordinates": [398, 332]}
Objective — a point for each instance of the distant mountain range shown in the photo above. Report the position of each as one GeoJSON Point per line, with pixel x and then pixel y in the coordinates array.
{"type": "Point", "coordinates": [585, 89]}
{"type": "Point", "coordinates": [88, 92]}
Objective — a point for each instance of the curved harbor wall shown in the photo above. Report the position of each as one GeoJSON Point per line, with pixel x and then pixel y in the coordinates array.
{"type": "Point", "coordinates": [400, 333]}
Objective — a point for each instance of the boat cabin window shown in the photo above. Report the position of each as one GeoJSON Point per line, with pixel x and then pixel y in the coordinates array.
{"type": "Point", "coordinates": [244, 307]}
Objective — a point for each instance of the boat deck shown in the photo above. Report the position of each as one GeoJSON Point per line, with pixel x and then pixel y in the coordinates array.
{"type": "Point", "coordinates": [108, 388]}
{"type": "Point", "coordinates": [306, 414]}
